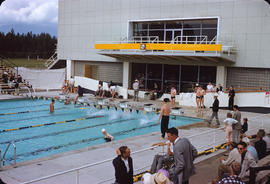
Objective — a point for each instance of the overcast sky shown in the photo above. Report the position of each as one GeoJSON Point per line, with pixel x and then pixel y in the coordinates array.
{"type": "Point", "coordinates": [29, 15]}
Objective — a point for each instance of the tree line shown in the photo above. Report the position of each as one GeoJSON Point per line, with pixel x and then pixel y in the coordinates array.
{"type": "Point", "coordinates": [23, 45]}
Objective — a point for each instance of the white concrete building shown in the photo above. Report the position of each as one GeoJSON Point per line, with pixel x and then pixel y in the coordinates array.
{"type": "Point", "coordinates": [167, 42]}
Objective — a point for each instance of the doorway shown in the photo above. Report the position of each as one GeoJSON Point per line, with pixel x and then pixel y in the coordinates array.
{"type": "Point", "coordinates": [173, 36]}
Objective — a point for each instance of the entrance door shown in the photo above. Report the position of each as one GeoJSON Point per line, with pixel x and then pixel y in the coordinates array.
{"type": "Point", "coordinates": [87, 71]}
{"type": "Point", "coordinates": [171, 35]}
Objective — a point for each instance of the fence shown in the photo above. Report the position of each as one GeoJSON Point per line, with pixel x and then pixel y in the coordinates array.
{"type": "Point", "coordinates": [216, 135]}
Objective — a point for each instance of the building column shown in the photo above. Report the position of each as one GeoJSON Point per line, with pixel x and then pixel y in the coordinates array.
{"type": "Point", "coordinates": [126, 74]}
{"type": "Point", "coordinates": [221, 76]}
{"type": "Point", "coordinates": [70, 69]}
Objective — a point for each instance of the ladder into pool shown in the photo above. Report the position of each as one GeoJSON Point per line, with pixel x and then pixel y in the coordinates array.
{"type": "Point", "coordinates": [4, 156]}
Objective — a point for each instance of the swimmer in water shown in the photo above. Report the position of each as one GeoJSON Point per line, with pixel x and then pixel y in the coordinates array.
{"type": "Point", "coordinates": [66, 102]}
{"type": "Point", "coordinates": [107, 136]}
{"type": "Point", "coordinates": [52, 106]}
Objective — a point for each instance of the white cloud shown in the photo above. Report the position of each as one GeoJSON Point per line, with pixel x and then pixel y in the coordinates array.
{"type": "Point", "coordinates": [29, 11]}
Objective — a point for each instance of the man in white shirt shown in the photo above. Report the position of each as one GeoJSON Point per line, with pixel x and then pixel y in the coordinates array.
{"type": "Point", "coordinates": [209, 87]}
{"type": "Point", "coordinates": [123, 166]}
{"type": "Point", "coordinates": [71, 84]}
{"type": "Point", "coordinates": [136, 90]}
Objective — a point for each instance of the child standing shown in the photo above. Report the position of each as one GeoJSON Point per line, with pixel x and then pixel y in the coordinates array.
{"type": "Point", "coordinates": [228, 125]}
{"type": "Point", "coordinates": [244, 126]}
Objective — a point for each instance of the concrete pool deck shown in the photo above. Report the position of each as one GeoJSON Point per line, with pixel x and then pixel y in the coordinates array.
{"type": "Point", "coordinates": [45, 166]}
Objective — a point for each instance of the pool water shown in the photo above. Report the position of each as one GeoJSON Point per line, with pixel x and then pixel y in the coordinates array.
{"type": "Point", "coordinates": [38, 133]}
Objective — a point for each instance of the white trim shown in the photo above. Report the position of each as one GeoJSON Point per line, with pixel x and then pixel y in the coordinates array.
{"type": "Point", "coordinates": [218, 24]}
{"type": "Point", "coordinates": [164, 19]}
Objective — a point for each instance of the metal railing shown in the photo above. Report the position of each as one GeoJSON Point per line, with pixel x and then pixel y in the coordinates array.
{"type": "Point", "coordinates": [77, 170]}
{"type": "Point", "coordinates": [191, 40]}
{"type": "Point", "coordinates": [144, 39]}
{"type": "Point", "coordinates": [213, 144]}
{"type": "Point", "coordinates": [51, 60]}
{"type": "Point", "coordinates": [4, 156]}
{"type": "Point", "coordinates": [17, 90]}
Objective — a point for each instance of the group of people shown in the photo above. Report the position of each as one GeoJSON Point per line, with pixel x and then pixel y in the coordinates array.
{"type": "Point", "coordinates": [181, 154]}
{"type": "Point", "coordinates": [242, 156]}
{"type": "Point", "coordinates": [11, 80]}
{"type": "Point", "coordinates": [69, 86]}
{"type": "Point", "coordinates": [106, 90]}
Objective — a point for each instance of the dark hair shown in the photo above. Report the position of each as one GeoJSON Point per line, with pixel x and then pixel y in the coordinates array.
{"type": "Point", "coordinates": [53, 100]}
{"type": "Point", "coordinates": [229, 115]}
{"type": "Point", "coordinates": [243, 144]}
{"type": "Point", "coordinates": [123, 149]}
{"type": "Point", "coordinates": [166, 100]}
{"type": "Point", "coordinates": [261, 133]}
{"type": "Point", "coordinates": [173, 131]}
{"type": "Point", "coordinates": [233, 144]}
{"type": "Point", "coordinates": [245, 119]}
{"type": "Point", "coordinates": [236, 106]}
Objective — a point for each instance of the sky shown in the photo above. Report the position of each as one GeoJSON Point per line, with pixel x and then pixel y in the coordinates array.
{"type": "Point", "coordinates": [29, 15]}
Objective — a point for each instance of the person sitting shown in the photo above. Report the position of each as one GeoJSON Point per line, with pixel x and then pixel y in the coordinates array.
{"type": "Point", "coordinates": [250, 149]}
{"type": "Point", "coordinates": [107, 136]}
{"type": "Point", "coordinates": [19, 79]}
{"type": "Point", "coordinates": [260, 144]}
{"type": "Point", "coordinates": [160, 159]}
{"type": "Point", "coordinates": [99, 90]}
{"type": "Point", "coordinates": [266, 138]}
{"type": "Point", "coordinates": [113, 91]}
{"type": "Point", "coordinates": [224, 166]}
{"type": "Point", "coordinates": [161, 177]}
{"type": "Point", "coordinates": [233, 178]}
{"type": "Point", "coordinates": [105, 88]}
{"type": "Point", "coordinates": [247, 161]}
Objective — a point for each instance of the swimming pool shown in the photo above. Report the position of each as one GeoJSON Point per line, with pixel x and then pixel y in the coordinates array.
{"type": "Point", "coordinates": [37, 133]}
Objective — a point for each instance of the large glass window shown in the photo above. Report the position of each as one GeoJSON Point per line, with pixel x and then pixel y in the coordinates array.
{"type": "Point", "coordinates": [207, 74]}
{"type": "Point", "coordinates": [164, 76]}
{"type": "Point", "coordinates": [168, 31]}
{"type": "Point", "coordinates": [189, 77]}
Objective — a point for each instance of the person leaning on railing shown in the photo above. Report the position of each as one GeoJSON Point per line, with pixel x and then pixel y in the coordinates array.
{"type": "Point", "coordinates": [160, 159]}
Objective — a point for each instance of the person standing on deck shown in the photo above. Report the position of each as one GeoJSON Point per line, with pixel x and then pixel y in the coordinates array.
{"type": "Point", "coordinates": [136, 90]}
{"type": "Point", "coordinates": [173, 94]}
{"type": "Point", "coordinates": [164, 116]}
{"type": "Point", "coordinates": [231, 97]}
{"type": "Point", "coordinates": [215, 108]}
{"type": "Point", "coordinates": [236, 128]}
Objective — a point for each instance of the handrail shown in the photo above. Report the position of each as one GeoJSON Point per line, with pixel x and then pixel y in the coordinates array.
{"type": "Point", "coordinates": [139, 151]}
{"type": "Point", "coordinates": [4, 160]}
{"type": "Point", "coordinates": [141, 39]}
{"type": "Point", "coordinates": [83, 167]}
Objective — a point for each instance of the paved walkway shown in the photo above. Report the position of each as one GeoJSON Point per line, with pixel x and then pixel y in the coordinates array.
{"type": "Point", "coordinates": [208, 137]}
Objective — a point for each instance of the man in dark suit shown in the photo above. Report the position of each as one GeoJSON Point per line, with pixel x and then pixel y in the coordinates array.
{"type": "Point", "coordinates": [215, 110]}
{"type": "Point", "coordinates": [184, 155]}
{"type": "Point", "coordinates": [123, 166]}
